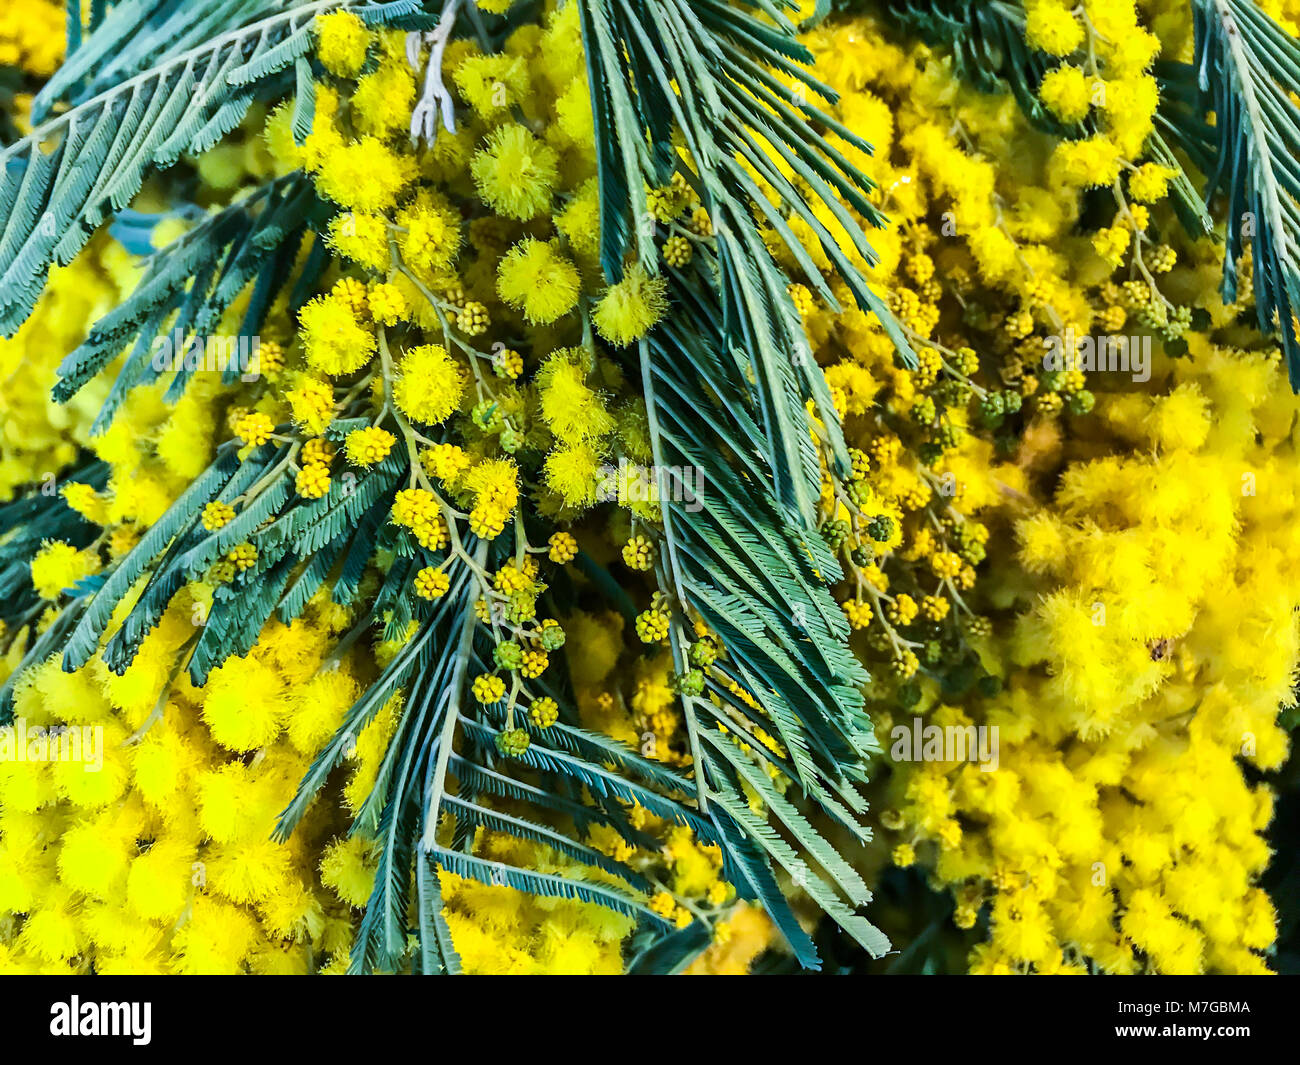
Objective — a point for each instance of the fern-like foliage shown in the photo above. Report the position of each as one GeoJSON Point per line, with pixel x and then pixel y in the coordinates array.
{"type": "Point", "coordinates": [192, 282]}
{"type": "Point", "coordinates": [736, 560]}
{"type": "Point", "coordinates": [727, 379]}
{"type": "Point", "coordinates": [287, 530]}
{"type": "Point", "coordinates": [1246, 69]}
{"type": "Point", "coordinates": [988, 47]}
{"type": "Point", "coordinates": [443, 758]}
{"type": "Point", "coordinates": [706, 71]}
{"type": "Point", "coordinates": [443, 776]}
{"type": "Point", "coordinates": [159, 79]}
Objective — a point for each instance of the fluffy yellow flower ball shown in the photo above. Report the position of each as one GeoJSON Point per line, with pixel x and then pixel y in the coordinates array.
{"type": "Point", "coordinates": [244, 704]}
{"type": "Point", "coordinates": [383, 100]}
{"type": "Point", "coordinates": [629, 308]}
{"type": "Point", "coordinates": [361, 237]}
{"type": "Point", "coordinates": [342, 41]}
{"type": "Point", "coordinates": [1149, 182]}
{"type": "Point", "coordinates": [333, 341]}
{"type": "Point", "coordinates": [58, 565]}
{"type": "Point", "coordinates": [570, 472]}
{"type": "Point", "coordinates": [1066, 93]}
{"type": "Point", "coordinates": [365, 175]}
{"type": "Point", "coordinates": [580, 219]}
{"type": "Point", "coordinates": [430, 386]}
{"type": "Point", "coordinates": [515, 172]}
{"type": "Point", "coordinates": [432, 235]}
{"type": "Point", "coordinates": [349, 868]}
{"type": "Point", "coordinates": [573, 410]}
{"type": "Point", "coordinates": [1051, 26]}
{"type": "Point", "coordinates": [1086, 163]}
{"type": "Point", "coordinates": [535, 277]}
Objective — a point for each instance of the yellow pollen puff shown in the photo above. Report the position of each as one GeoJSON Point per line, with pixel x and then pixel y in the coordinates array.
{"type": "Point", "coordinates": [58, 566]}
{"type": "Point", "coordinates": [515, 172]}
{"type": "Point", "coordinates": [334, 341]}
{"type": "Point", "coordinates": [430, 386]}
{"type": "Point", "coordinates": [630, 307]}
{"type": "Point", "coordinates": [1067, 93]}
{"type": "Point", "coordinates": [312, 404]}
{"type": "Point", "coordinates": [538, 279]}
{"type": "Point", "coordinates": [1050, 26]}
{"type": "Point", "coordinates": [1149, 182]}
{"type": "Point", "coordinates": [368, 446]}
{"type": "Point", "coordinates": [388, 305]}
{"type": "Point", "coordinates": [86, 501]}
{"type": "Point", "coordinates": [342, 41]}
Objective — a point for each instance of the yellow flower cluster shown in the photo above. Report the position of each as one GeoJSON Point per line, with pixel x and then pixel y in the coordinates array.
{"type": "Point", "coordinates": [159, 860]}
{"type": "Point", "coordinates": [1154, 642]}
{"type": "Point", "coordinates": [32, 36]}
{"type": "Point", "coordinates": [1092, 568]}
{"type": "Point", "coordinates": [39, 438]}
{"type": "Point", "coordinates": [420, 318]}
{"type": "Point", "coordinates": [1141, 639]}
{"type": "Point", "coordinates": [165, 862]}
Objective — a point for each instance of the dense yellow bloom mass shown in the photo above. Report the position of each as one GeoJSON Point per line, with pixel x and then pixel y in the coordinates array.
{"type": "Point", "coordinates": [166, 863]}
{"type": "Point", "coordinates": [1156, 643]}
{"type": "Point", "coordinates": [57, 566]}
{"type": "Point", "coordinates": [40, 437]}
{"type": "Point", "coordinates": [1143, 636]}
{"type": "Point", "coordinates": [1093, 565]}
{"type": "Point", "coordinates": [32, 36]}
